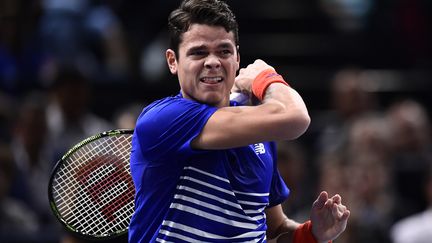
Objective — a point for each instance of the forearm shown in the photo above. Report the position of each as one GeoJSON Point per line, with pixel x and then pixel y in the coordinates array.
{"type": "Point", "coordinates": [282, 229]}
{"type": "Point", "coordinates": [297, 233]}
{"type": "Point", "coordinates": [329, 217]}
{"type": "Point", "coordinates": [289, 98]}
{"type": "Point", "coordinates": [291, 105]}
{"type": "Point", "coordinates": [284, 233]}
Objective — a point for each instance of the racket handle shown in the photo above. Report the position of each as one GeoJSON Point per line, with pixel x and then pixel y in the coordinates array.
{"type": "Point", "coordinates": [240, 98]}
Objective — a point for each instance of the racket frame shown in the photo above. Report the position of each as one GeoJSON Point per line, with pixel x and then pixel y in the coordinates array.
{"type": "Point", "coordinates": [58, 165]}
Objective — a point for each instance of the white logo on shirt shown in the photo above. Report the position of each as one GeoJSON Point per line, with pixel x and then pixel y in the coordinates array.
{"type": "Point", "coordinates": [259, 148]}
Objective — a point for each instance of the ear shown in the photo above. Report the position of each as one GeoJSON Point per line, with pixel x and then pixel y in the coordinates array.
{"type": "Point", "coordinates": [171, 61]}
{"type": "Point", "coordinates": [238, 58]}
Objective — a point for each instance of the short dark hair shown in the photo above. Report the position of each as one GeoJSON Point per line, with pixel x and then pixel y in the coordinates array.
{"type": "Point", "coordinates": [208, 12]}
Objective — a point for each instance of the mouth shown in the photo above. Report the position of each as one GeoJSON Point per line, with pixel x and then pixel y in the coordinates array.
{"type": "Point", "coordinates": [211, 80]}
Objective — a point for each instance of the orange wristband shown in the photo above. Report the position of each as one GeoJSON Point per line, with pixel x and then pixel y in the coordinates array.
{"type": "Point", "coordinates": [263, 80]}
{"type": "Point", "coordinates": [303, 234]}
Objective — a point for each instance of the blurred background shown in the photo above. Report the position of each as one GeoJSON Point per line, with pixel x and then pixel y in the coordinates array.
{"type": "Point", "coordinates": [71, 69]}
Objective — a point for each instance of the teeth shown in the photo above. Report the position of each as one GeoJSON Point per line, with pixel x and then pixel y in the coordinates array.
{"type": "Point", "coordinates": [211, 80]}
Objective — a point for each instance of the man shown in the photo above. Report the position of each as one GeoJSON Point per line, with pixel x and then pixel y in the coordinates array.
{"type": "Point", "coordinates": [202, 166]}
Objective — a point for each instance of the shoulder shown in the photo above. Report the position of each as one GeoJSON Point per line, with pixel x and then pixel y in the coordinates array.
{"type": "Point", "coordinates": [171, 107]}
{"type": "Point", "coordinates": [172, 112]}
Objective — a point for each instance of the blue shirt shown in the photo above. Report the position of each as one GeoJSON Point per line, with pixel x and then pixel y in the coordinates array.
{"type": "Point", "coordinates": [188, 195]}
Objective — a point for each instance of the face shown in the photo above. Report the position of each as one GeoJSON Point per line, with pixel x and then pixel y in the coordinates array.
{"type": "Point", "coordinates": [206, 64]}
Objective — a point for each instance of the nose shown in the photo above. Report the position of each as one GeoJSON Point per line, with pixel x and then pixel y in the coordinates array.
{"type": "Point", "coordinates": [212, 62]}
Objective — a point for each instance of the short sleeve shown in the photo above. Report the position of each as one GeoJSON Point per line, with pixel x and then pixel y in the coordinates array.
{"type": "Point", "coordinates": [168, 127]}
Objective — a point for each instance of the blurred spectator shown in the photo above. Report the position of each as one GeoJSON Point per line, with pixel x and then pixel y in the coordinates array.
{"type": "Point", "coordinates": [411, 153]}
{"type": "Point", "coordinates": [416, 228]}
{"type": "Point", "coordinates": [294, 168]}
{"type": "Point", "coordinates": [15, 217]}
{"type": "Point", "coordinates": [87, 34]}
{"type": "Point", "coordinates": [152, 60]}
{"type": "Point", "coordinates": [359, 172]}
{"type": "Point", "coordinates": [32, 157]}
{"type": "Point", "coordinates": [332, 178]}
{"type": "Point", "coordinates": [349, 99]}
{"type": "Point", "coordinates": [370, 135]}
{"type": "Point", "coordinates": [20, 58]}
{"type": "Point", "coordinates": [69, 116]}
{"type": "Point", "coordinates": [371, 197]}
{"type": "Point", "coordinates": [125, 117]}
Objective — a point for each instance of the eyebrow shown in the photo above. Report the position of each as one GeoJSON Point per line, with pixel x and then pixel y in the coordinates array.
{"type": "Point", "coordinates": [203, 47]}
{"type": "Point", "coordinates": [197, 48]}
{"type": "Point", "coordinates": [226, 45]}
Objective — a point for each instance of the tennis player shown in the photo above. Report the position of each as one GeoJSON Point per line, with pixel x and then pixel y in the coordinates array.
{"type": "Point", "coordinates": [203, 166]}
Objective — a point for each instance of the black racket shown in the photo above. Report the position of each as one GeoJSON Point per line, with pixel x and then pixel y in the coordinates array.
{"type": "Point", "coordinates": [91, 190]}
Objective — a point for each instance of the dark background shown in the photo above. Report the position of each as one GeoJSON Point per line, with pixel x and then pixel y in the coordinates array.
{"type": "Point", "coordinates": [119, 47]}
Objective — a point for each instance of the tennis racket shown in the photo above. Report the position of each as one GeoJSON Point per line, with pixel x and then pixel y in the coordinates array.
{"type": "Point", "coordinates": [91, 190]}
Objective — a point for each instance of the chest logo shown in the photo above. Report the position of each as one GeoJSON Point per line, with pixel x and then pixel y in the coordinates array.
{"type": "Point", "coordinates": [259, 148]}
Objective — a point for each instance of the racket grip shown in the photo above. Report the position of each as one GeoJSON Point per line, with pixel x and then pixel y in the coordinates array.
{"type": "Point", "coordinates": [240, 98]}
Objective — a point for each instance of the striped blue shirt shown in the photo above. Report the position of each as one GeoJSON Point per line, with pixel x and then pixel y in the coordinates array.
{"type": "Point", "coordinates": [187, 195]}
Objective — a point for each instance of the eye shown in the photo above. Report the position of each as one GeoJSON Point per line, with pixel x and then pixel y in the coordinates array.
{"type": "Point", "coordinates": [198, 53]}
{"type": "Point", "coordinates": [225, 52]}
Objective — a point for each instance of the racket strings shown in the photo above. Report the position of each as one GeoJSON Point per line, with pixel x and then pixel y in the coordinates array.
{"type": "Point", "coordinates": [93, 189]}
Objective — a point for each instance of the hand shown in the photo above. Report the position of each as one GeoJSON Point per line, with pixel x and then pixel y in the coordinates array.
{"type": "Point", "coordinates": [329, 217]}
{"type": "Point", "coordinates": [243, 82]}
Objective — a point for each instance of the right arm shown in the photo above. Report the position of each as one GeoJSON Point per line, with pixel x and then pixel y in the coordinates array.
{"type": "Point", "coordinates": [282, 115]}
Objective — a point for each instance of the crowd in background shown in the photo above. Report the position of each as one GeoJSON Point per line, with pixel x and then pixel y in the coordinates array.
{"type": "Point", "coordinates": [57, 57]}
{"type": "Point", "coordinates": [379, 159]}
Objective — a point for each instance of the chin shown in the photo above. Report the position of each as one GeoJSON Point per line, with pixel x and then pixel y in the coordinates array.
{"type": "Point", "coordinates": [213, 101]}
{"type": "Point", "coordinates": [210, 102]}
